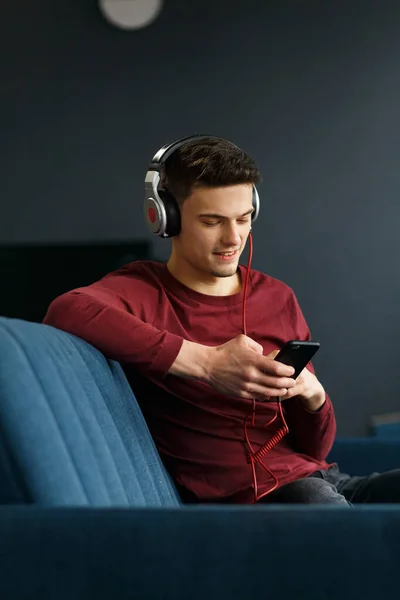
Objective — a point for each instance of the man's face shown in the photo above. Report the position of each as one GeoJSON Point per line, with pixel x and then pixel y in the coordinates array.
{"type": "Point", "coordinates": [215, 224]}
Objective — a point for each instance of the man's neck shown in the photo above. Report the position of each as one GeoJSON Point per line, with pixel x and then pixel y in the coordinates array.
{"type": "Point", "coordinates": [212, 286]}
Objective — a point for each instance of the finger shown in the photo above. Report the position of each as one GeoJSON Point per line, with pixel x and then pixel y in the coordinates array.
{"type": "Point", "coordinates": [275, 382]}
{"type": "Point", "coordinates": [272, 354]}
{"type": "Point", "coordinates": [294, 391]}
{"type": "Point", "coordinates": [262, 393]}
{"type": "Point", "coordinates": [273, 367]}
{"type": "Point", "coordinates": [253, 345]}
{"type": "Point", "coordinates": [287, 396]}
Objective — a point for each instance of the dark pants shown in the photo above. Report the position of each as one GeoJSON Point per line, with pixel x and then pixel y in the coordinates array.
{"type": "Point", "coordinates": [332, 487]}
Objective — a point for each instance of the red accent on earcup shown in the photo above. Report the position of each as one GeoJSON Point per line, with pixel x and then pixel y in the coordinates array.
{"type": "Point", "coordinates": [152, 215]}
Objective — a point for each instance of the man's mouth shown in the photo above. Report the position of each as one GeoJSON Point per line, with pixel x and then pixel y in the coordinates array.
{"type": "Point", "coordinates": [227, 255]}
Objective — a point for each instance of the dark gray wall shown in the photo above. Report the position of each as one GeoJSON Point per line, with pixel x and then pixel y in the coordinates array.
{"type": "Point", "coordinates": [310, 89]}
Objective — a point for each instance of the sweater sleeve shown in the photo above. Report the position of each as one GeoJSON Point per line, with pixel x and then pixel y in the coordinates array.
{"type": "Point", "coordinates": [100, 316]}
{"type": "Point", "coordinates": [312, 433]}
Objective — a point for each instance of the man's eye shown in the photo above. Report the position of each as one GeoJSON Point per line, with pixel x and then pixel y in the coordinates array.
{"type": "Point", "coordinates": [211, 223]}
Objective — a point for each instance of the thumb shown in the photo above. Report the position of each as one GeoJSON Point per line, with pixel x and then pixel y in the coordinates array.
{"type": "Point", "coordinates": [253, 345]}
{"type": "Point", "coordinates": [273, 354]}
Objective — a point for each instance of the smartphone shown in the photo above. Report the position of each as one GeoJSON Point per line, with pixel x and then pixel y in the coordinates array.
{"type": "Point", "coordinates": [297, 354]}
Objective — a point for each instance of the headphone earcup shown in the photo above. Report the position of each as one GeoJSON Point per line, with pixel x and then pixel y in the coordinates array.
{"type": "Point", "coordinates": [256, 204]}
{"type": "Point", "coordinates": [162, 214]}
{"type": "Point", "coordinates": [172, 212]}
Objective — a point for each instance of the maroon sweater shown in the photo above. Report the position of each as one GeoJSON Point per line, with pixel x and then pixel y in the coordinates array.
{"type": "Point", "coordinates": [139, 316]}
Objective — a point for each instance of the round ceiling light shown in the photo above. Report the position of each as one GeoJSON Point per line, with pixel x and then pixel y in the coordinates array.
{"type": "Point", "coordinates": [130, 14]}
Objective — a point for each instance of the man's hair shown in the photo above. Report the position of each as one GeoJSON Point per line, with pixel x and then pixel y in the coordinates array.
{"type": "Point", "coordinates": [207, 162]}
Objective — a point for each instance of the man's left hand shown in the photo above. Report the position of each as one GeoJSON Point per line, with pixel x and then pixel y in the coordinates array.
{"type": "Point", "coordinates": [309, 390]}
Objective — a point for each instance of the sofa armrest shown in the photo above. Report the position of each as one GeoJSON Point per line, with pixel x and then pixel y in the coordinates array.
{"type": "Point", "coordinates": [272, 552]}
{"type": "Point", "coordinates": [362, 456]}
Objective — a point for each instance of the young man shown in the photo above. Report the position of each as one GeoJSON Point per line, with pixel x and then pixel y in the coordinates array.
{"type": "Point", "coordinates": [209, 392]}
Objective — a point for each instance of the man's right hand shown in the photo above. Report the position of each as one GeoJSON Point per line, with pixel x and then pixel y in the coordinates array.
{"type": "Point", "coordinates": [239, 368]}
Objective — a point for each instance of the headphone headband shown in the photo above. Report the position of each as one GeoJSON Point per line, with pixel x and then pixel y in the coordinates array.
{"type": "Point", "coordinates": [161, 211]}
{"type": "Point", "coordinates": [165, 152]}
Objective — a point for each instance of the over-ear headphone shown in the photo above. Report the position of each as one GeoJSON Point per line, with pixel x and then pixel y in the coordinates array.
{"type": "Point", "coordinates": [161, 210]}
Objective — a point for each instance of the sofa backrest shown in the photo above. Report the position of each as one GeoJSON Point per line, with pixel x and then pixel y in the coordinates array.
{"type": "Point", "coordinates": [71, 432]}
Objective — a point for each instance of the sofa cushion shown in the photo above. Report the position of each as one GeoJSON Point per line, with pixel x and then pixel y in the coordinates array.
{"type": "Point", "coordinates": [200, 553]}
{"type": "Point", "coordinates": [71, 432]}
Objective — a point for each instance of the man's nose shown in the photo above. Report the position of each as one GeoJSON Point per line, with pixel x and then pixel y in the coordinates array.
{"type": "Point", "coordinates": [231, 235]}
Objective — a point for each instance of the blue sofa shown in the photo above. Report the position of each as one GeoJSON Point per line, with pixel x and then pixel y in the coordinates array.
{"type": "Point", "coordinates": [88, 510]}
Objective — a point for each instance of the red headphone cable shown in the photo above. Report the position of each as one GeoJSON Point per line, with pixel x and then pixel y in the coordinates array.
{"type": "Point", "coordinates": [256, 456]}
